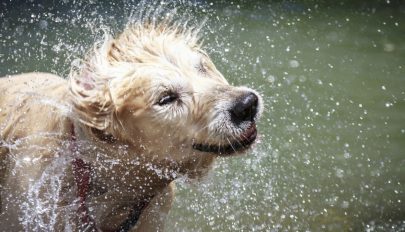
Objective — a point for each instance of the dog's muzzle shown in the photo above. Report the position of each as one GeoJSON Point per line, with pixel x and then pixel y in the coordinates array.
{"type": "Point", "coordinates": [243, 111]}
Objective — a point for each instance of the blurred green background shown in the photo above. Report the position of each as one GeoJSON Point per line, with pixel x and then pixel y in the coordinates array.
{"type": "Point", "coordinates": [331, 155]}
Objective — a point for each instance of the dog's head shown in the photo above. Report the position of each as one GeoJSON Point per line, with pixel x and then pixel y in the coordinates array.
{"type": "Point", "coordinates": [154, 86]}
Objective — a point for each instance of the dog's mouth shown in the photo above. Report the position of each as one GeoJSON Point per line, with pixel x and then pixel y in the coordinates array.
{"type": "Point", "coordinates": [245, 140]}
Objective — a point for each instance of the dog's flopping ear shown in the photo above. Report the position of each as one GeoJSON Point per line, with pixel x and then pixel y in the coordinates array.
{"type": "Point", "coordinates": [93, 83]}
{"type": "Point", "coordinates": [91, 100]}
{"type": "Point", "coordinates": [89, 88]}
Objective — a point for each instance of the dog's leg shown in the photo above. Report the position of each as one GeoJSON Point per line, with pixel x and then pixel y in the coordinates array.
{"type": "Point", "coordinates": [154, 216]}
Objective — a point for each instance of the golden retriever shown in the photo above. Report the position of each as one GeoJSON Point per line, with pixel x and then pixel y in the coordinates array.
{"type": "Point", "coordinates": [100, 151]}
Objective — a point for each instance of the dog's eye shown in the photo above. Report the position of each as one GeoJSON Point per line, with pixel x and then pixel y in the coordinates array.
{"type": "Point", "coordinates": [167, 99]}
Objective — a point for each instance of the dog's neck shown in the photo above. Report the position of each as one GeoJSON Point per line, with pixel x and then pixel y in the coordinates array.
{"type": "Point", "coordinates": [123, 172]}
{"type": "Point", "coordinates": [138, 167]}
{"type": "Point", "coordinates": [126, 161]}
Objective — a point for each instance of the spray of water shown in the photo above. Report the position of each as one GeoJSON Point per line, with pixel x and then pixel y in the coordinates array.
{"type": "Point", "coordinates": [46, 201]}
{"type": "Point", "coordinates": [336, 154]}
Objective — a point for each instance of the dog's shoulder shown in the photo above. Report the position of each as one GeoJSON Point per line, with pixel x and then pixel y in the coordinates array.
{"type": "Point", "coordinates": [28, 98]}
{"type": "Point", "coordinates": [32, 84]}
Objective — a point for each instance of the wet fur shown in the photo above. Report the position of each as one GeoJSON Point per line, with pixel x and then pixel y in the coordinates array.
{"type": "Point", "coordinates": [135, 147]}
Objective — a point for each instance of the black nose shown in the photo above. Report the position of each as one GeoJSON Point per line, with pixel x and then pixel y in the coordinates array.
{"type": "Point", "coordinates": [245, 109]}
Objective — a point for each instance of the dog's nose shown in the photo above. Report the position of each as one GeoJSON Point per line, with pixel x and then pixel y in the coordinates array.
{"type": "Point", "coordinates": [245, 109]}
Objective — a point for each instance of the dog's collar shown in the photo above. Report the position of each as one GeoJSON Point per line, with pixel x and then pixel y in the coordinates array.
{"type": "Point", "coordinates": [101, 135]}
{"type": "Point", "coordinates": [82, 177]}
{"type": "Point", "coordinates": [81, 173]}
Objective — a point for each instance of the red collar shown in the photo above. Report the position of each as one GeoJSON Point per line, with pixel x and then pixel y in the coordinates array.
{"type": "Point", "coordinates": [82, 176]}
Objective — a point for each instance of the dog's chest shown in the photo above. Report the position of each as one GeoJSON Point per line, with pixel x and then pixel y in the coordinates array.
{"type": "Point", "coordinates": [118, 194]}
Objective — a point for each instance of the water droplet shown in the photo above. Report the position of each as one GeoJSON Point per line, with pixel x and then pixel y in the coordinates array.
{"type": "Point", "coordinates": [20, 30]}
{"type": "Point", "coordinates": [389, 47]}
{"type": "Point", "coordinates": [347, 155]}
{"type": "Point", "coordinates": [43, 24]}
{"type": "Point", "coordinates": [345, 204]}
{"type": "Point", "coordinates": [339, 173]}
{"type": "Point", "coordinates": [294, 63]}
{"type": "Point", "coordinates": [271, 78]}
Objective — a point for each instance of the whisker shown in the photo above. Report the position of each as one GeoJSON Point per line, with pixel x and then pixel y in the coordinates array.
{"type": "Point", "coordinates": [231, 145]}
{"type": "Point", "coordinates": [237, 140]}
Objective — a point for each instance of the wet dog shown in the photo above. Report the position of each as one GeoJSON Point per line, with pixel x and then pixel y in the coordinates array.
{"type": "Point", "coordinates": [100, 150]}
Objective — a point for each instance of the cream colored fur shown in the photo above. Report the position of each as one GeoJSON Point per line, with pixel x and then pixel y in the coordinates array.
{"type": "Point", "coordinates": [136, 147]}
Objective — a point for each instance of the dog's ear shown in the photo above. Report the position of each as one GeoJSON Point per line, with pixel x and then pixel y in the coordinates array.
{"type": "Point", "coordinates": [91, 81]}
{"type": "Point", "coordinates": [90, 97]}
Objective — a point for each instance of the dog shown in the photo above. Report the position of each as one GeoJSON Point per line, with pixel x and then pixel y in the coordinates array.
{"type": "Point", "coordinates": [99, 151]}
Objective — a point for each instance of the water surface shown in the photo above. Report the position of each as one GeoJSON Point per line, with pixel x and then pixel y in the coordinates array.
{"type": "Point", "coordinates": [331, 155]}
